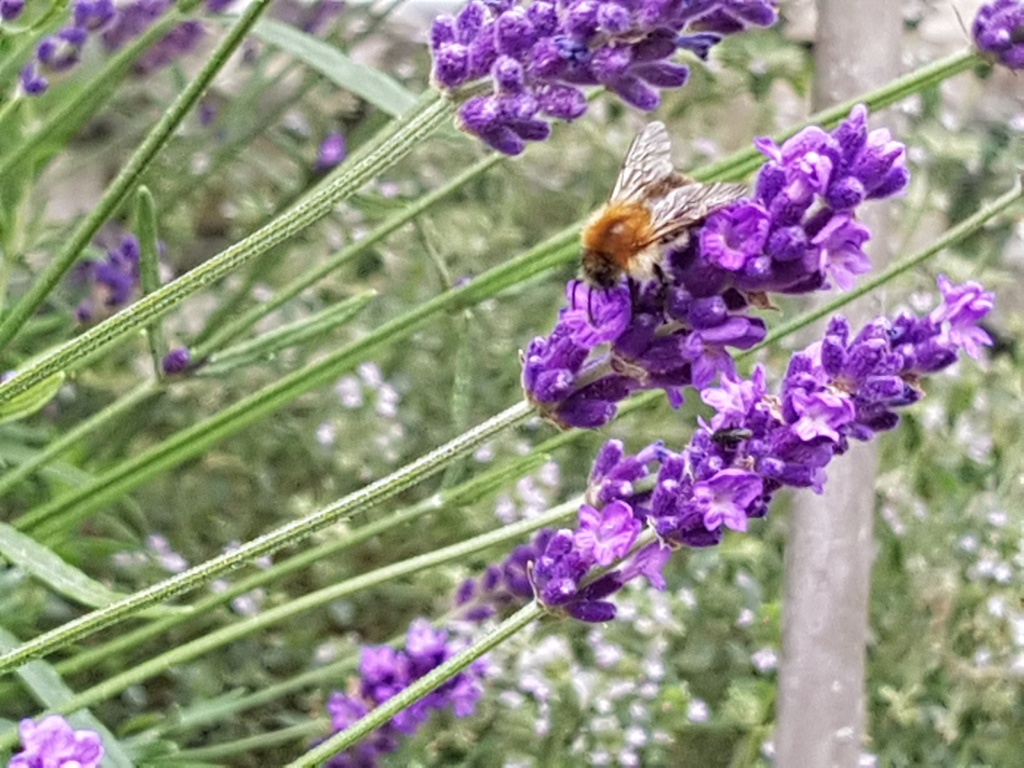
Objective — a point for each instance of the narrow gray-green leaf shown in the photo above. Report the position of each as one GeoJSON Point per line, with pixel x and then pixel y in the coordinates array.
{"type": "Point", "coordinates": [266, 345]}
{"type": "Point", "coordinates": [31, 400]}
{"type": "Point", "coordinates": [66, 580]}
{"type": "Point", "coordinates": [365, 82]}
{"type": "Point", "coordinates": [149, 269]}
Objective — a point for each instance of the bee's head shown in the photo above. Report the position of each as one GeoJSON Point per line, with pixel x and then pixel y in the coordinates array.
{"type": "Point", "coordinates": [600, 269]}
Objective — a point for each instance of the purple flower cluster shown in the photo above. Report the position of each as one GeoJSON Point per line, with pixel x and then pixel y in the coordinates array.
{"type": "Point", "coordinates": [113, 281]}
{"type": "Point", "coordinates": [501, 586]}
{"type": "Point", "coordinates": [843, 387]}
{"type": "Point", "coordinates": [385, 672]}
{"type": "Point", "coordinates": [798, 233]}
{"type": "Point", "coordinates": [53, 742]}
{"type": "Point", "coordinates": [11, 9]}
{"type": "Point", "coordinates": [116, 25]}
{"type": "Point", "coordinates": [999, 31]}
{"type": "Point", "coordinates": [62, 50]}
{"type": "Point", "coordinates": [134, 18]}
{"type": "Point", "coordinates": [178, 360]}
{"type": "Point", "coordinates": [540, 54]}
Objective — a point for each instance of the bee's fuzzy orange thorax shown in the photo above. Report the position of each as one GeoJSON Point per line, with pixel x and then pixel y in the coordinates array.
{"type": "Point", "coordinates": [618, 232]}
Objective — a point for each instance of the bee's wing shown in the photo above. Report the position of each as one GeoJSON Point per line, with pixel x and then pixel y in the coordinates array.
{"type": "Point", "coordinates": [683, 206]}
{"type": "Point", "coordinates": [648, 164]}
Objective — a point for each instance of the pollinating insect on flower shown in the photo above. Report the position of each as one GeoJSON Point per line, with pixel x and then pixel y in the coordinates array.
{"type": "Point", "coordinates": [651, 205]}
{"type": "Point", "coordinates": [670, 298]}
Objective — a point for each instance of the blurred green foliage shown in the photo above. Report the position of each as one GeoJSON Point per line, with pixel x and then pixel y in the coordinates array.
{"type": "Point", "coordinates": [687, 677]}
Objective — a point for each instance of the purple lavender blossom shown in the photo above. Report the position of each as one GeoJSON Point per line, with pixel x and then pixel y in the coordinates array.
{"type": "Point", "coordinates": [178, 360]}
{"type": "Point", "coordinates": [502, 586]}
{"type": "Point", "coordinates": [113, 281]}
{"type": "Point", "coordinates": [32, 82]}
{"type": "Point", "coordinates": [54, 742]}
{"type": "Point", "coordinates": [999, 32]}
{"type": "Point", "coordinates": [218, 6]}
{"type": "Point", "coordinates": [92, 15]}
{"type": "Point", "coordinates": [603, 537]}
{"type": "Point", "coordinates": [797, 233]}
{"type": "Point", "coordinates": [333, 150]}
{"type": "Point", "coordinates": [11, 9]}
{"type": "Point", "coordinates": [965, 305]}
{"type": "Point", "coordinates": [131, 20]}
{"type": "Point", "coordinates": [539, 55]}
{"type": "Point", "coordinates": [841, 388]}
{"type": "Point", "coordinates": [385, 672]}
{"type": "Point", "coordinates": [182, 39]}
{"type": "Point", "coordinates": [60, 52]}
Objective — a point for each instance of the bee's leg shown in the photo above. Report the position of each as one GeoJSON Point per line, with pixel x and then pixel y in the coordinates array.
{"type": "Point", "coordinates": [590, 305]}
{"type": "Point", "coordinates": [659, 273]}
{"type": "Point", "coordinates": [634, 291]}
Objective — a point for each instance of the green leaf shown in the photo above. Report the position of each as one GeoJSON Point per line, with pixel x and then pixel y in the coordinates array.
{"type": "Point", "coordinates": [365, 82]}
{"type": "Point", "coordinates": [47, 687]}
{"type": "Point", "coordinates": [66, 580]}
{"type": "Point", "coordinates": [32, 399]}
{"type": "Point", "coordinates": [265, 346]}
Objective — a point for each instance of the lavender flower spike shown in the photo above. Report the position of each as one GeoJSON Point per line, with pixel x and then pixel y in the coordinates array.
{"type": "Point", "coordinates": [11, 9]}
{"type": "Point", "coordinates": [540, 54]}
{"type": "Point", "coordinates": [93, 15]}
{"type": "Point", "coordinates": [53, 742]}
{"type": "Point", "coordinates": [386, 671]}
{"type": "Point", "coordinates": [843, 387]}
{"type": "Point", "coordinates": [113, 282]}
{"type": "Point", "coordinates": [998, 31]}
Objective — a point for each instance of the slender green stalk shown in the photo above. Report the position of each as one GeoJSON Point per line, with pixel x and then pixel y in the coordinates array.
{"type": "Point", "coordinates": [291, 533]}
{"type": "Point", "coordinates": [427, 116]}
{"type": "Point", "coordinates": [221, 637]}
{"type": "Point", "coordinates": [429, 682]}
{"type": "Point", "coordinates": [50, 520]}
{"type": "Point", "coordinates": [219, 752]}
{"type": "Point", "coordinates": [149, 271]}
{"type": "Point", "coordinates": [266, 345]}
{"type": "Point", "coordinates": [128, 177]}
{"type": "Point", "coordinates": [463, 494]}
{"type": "Point", "coordinates": [745, 161]}
{"type": "Point", "coordinates": [100, 419]}
{"type": "Point", "coordinates": [239, 325]}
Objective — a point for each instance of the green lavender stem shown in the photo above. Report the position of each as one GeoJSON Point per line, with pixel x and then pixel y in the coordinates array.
{"type": "Point", "coordinates": [227, 635]}
{"type": "Point", "coordinates": [432, 680]}
{"type": "Point", "coordinates": [126, 180]}
{"type": "Point", "coordinates": [462, 494]}
{"type": "Point", "coordinates": [293, 532]}
{"type": "Point", "coordinates": [239, 325]}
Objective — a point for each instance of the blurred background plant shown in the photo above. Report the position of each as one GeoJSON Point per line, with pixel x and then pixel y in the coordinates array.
{"type": "Point", "coordinates": [682, 677]}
